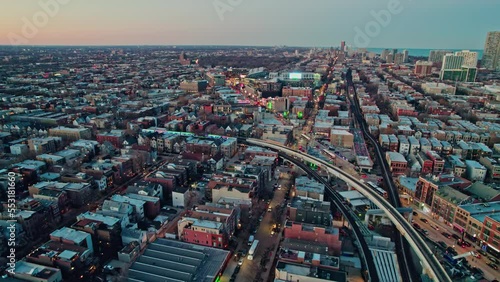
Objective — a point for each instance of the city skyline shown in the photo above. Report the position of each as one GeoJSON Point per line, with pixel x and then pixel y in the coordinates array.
{"type": "Point", "coordinates": [248, 23]}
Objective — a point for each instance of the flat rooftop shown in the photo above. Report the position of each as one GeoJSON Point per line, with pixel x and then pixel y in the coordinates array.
{"type": "Point", "coordinates": [70, 234]}
{"type": "Point", "coordinates": [169, 260]}
{"type": "Point", "coordinates": [35, 270]}
{"type": "Point", "coordinates": [482, 208]}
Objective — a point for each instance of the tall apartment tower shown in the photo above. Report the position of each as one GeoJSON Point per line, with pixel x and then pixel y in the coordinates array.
{"type": "Point", "coordinates": [342, 45]}
{"type": "Point", "coordinates": [436, 56]}
{"type": "Point", "coordinates": [452, 62]}
{"type": "Point", "coordinates": [491, 54]}
{"type": "Point", "coordinates": [384, 54]}
{"type": "Point", "coordinates": [406, 56]}
{"type": "Point", "coordinates": [470, 58]}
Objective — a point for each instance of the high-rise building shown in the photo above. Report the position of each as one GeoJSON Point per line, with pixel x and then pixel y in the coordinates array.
{"type": "Point", "coordinates": [491, 54]}
{"type": "Point", "coordinates": [451, 62]}
{"type": "Point", "coordinates": [390, 58]}
{"type": "Point", "coordinates": [470, 58]}
{"type": "Point", "coordinates": [406, 56]}
{"type": "Point", "coordinates": [384, 54]}
{"type": "Point", "coordinates": [342, 45]}
{"type": "Point", "coordinates": [423, 68]}
{"type": "Point", "coordinates": [399, 58]}
{"type": "Point", "coordinates": [436, 56]}
{"type": "Point", "coordinates": [453, 68]}
{"type": "Point", "coordinates": [394, 52]}
{"type": "Point", "coordinates": [468, 74]}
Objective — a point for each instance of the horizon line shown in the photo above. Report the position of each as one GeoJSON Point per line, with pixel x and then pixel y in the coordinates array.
{"type": "Point", "coordinates": [221, 45]}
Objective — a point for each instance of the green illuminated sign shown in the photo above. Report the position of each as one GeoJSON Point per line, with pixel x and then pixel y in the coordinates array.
{"type": "Point", "coordinates": [300, 115]}
{"type": "Point", "coordinates": [285, 114]}
{"type": "Point", "coordinates": [270, 105]}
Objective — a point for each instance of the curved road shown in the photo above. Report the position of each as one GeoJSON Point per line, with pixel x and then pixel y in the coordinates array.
{"type": "Point", "coordinates": [430, 263]}
{"type": "Point", "coordinates": [401, 245]}
{"type": "Point", "coordinates": [337, 200]}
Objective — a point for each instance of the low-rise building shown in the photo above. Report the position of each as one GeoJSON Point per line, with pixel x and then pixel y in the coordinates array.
{"type": "Point", "coordinates": [310, 211]}
{"type": "Point", "coordinates": [306, 188]}
{"type": "Point", "coordinates": [492, 165]}
{"type": "Point", "coordinates": [71, 134]}
{"type": "Point", "coordinates": [490, 234]}
{"type": "Point", "coordinates": [445, 202]}
{"type": "Point", "coordinates": [286, 271]}
{"type": "Point", "coordinates": [202, 232]}
{"type": "Point", "coordinates": [470, 217]}
{"type": "Point", "coordinates": [314, 234]}
{"type": "Point", "coordinates": [385, 258]}
{"type": "Point", "coordinates": [342, 138]}
{"type": "Point", "coordinates": [161, 261]}
{"type": "Point", "coordinates": [27, 271]}
{"type": "Point", "coordinates": [397, 163]}
{"type": "Point", "coordinates": [475, 171]}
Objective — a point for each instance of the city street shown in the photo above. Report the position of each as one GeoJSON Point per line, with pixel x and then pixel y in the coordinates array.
{"type": "Point", "coordinates": [436, 236]}
{"type": "Point", "coordinates": [268, 243]}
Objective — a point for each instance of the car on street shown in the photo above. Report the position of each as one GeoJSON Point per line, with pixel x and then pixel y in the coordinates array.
{"type": "Point", "coordinates": [416, 226]}
{"type": "Point", "coordinates": [476, 255]}
{"type": "Point", "coordinates": [442, 244]}
{"type": "Point", "coordinates": [425, 232]}
{"type": "Point", "coordinates": [451, 251]}
{"type": "Point", "coordinates": [415, 213]}
{"type": "Point", "coordinates": [455, 236]}
{"type": "Point", "coordinates": [435, 227]}
{"type": "Point", "coordinates": [260, 218]}
{"type": "Point", "coordinates": [494, 260]}
{"type": "Point", "coordinates": [269, 209]}
{"type": "Point", "coordinates": [492, 265]}
{"type": "Point", "coordinates": [467, 244]}
{"type": "Point", "coordinates": [237, 269]}
{"type": "Point", "coordinates": [482, 252]}
{"type": "Point", "coordinates": [447, 235]}
{"type": "Point", "coordinates": [240, 262]}
{"type": "Point", "coordinates": [243, 253]}
{"type": "Point", "coordinates": [424, 220]}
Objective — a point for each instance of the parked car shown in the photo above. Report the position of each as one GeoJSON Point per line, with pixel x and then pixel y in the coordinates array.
{"type": "Point", "coordinates": [451, 251]}
{"type": "Point", "coordinates": [416, 226]}
{"type": "Point", "coordinates": [415, 213]}
{"type": "Point", "coordinates": [435, 227]}
{"type": "Point", "coordinates": [492, 265]}
{"type": "Point", "coordinates": [240, 262]}
{"type": "Point", "coordinates": [442, 244]}
{"type": "Point", "coordinates": [447, 235]}
{"type": "Point", "coordinates": [424, 220]}
{"type": "Point", "coordinates": [482, 252]}
{"type": "Point", "coordinates": [494, 260]}
{"type": "Point", "coordinates": [455, 236]}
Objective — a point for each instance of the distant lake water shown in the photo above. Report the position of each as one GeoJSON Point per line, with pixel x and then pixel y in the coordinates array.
{"type": "Point", "coordinates": [421, 52]}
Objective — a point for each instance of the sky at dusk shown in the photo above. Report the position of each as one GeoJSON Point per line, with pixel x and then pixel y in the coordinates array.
{"type": "Point", "coordinates": [455, 24]}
